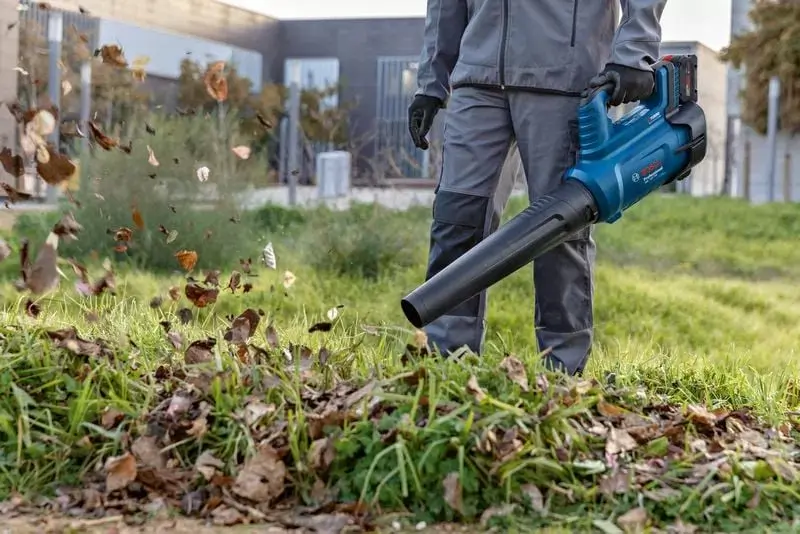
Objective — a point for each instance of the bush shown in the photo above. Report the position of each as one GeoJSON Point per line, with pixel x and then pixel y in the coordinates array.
{"type": "Point", "coordinates": [366, 241]}
{"type": "Point", "coordinates": [274, 218]}
{"type": "Point", "coordinates": [174, 210]}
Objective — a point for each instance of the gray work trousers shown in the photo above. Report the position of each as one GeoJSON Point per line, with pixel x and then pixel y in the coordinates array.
{"type": "Point", "coordinates": [481, 127]}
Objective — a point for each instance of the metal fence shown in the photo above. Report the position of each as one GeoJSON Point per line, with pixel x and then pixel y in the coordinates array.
{"type": "Point", "coordinates": [398, 156]}
{"type": "Point", "coordinates": [85, 24]}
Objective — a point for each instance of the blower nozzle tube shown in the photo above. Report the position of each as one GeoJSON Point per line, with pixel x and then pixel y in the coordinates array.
{"type": "Point", "coordinates": [546, 223]}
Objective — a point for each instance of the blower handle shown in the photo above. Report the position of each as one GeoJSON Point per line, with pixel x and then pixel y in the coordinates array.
{"type": "Point", "coordinates": [595, 126]}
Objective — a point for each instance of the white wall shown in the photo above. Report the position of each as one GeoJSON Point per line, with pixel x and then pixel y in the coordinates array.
{"type": "Point", "coordinates": [759, 187]}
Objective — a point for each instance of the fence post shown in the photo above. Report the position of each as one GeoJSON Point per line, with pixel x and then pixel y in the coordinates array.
{"type": "Point", "coordinates": [294, 131]}
{"type": "Point", "coordinates": [746, 170]}
{"type": "Point", "coordinates": [772, 134]}
{"type": "Point", "coordinates": [55, 34]}
{"type": "Point", "coordinates": [787, 176]}
{"type": "Point", "coordinates": [86, 110]}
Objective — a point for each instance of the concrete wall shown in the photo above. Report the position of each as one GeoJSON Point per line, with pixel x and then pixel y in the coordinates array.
{"type": "Point", "coordinates": [357, 43]}
{"type": "Point", "coordinates": [752, 168]}
{"type": "Point", "coordinates": [9, 43]}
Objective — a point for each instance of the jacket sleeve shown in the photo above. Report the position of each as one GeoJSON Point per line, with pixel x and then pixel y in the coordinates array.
{"type": "Point", "coordinates": [444, 25]}
{"type": "Point", "coordinates": [638, 38]}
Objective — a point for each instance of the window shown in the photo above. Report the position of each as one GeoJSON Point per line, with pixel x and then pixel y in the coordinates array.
{"type": "Point", "coordinates": [313, 73]}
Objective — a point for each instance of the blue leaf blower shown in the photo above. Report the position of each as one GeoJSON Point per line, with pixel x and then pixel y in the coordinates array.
{"type": "Point", "coordinates": [618, 164]}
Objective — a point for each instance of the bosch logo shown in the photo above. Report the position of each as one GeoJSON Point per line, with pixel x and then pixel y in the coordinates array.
{"type": "Point", "coordinates": [650, 168]}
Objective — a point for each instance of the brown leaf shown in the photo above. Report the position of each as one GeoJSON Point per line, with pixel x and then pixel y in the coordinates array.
{"type": "Point", "coordinates": [136, 215]}
{"type": "Point", "coordinates": [175, 338]}
{"type": "Point", "coordinates": [112, 55]}
{"type": "Point", "coordinates": [147, 451]}
{"type": "Point", "coordinates": [151, 159]}
{"type": "Point", "coordinates": [175, 293]}
{"type": "Point", "coordinates": [212, 278]}
{"type": "Point", "coordinates": [200, 296]}
{"type": "Point", "coordinates": [234, 281]}
{"type": "Point", "coordinates": [105, 142]}
{"type": "Point", "coordinates": [187, 259]}
{"type": "Point", "coordinates": [452, 492]}
{"type": "Point", "coordinates": [67, 338]}
{"type": "Point", "coordinates": [609, 410]}
{"type": "Point", "coordinates": [215, 82]}
{"type": "Point", "coordinates": [43, 276]}
{"type": "Point", "coordinates": [67, 226]}
{"type": "Point", "coordinates": [272, 337]}
{"type": "Point", "coordinates": [474, 389]}
{"type": "Point", "coordinates": [515, 370]}
{"type": "Point", "coordinates": [323, 326]}
{"type": "Point", "coordinates": [243, 327]}
{"type": "Point", "coordinates": [321, 454]}
{"type": "Point", "coordinates": [111, 418]}
{"type": "Point", "coordinates": [13, 164]}
{"type": "Point", "coordinates": [185, 315]}
{"type": "Point", "coordinates": [535, 495]}
{"type": "Point", "coordinates": [208, 465]}
{"type": "Point", "coordinates": [241, 151]}
{"type": "Point", "coordinates": [59, 168]}
{"type": "Point", "coordinates": [123, 234]}
{"type": "Point", "coordinates": [619, 441]}
{"type": "Point", "coordinates": [13, 194]}
{"type": "Point", "coordinates": [633, 520]}
{"type": "Point", "coordinates": [263, 121]}
{"type": "Point", "coordinates": [200, 351]}
{"type": "Point", "coordinates": [120, 471]}
{"type": "Point", "coordinates": [699, 414]}
{"type": "Point", "coordinates": [262, 478]}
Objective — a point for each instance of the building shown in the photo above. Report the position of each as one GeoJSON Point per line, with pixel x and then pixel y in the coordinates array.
{"type": "Point", "coordinates": [372, 60]}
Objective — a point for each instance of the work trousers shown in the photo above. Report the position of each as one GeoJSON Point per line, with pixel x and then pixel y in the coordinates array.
{"type": "Point", "coordinates": [481, 128]}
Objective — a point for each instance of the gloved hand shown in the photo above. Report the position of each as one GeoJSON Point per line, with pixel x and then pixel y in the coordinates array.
{"type": "Point", "coordinates": [421, 113]}
{"type": "Point", "coordinates": [630, 84]}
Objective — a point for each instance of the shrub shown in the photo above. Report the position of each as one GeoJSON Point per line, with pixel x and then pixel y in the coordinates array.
{"type": "Point", "coordinates": [366, 241]}
{"type": "Point", "coordinates": [274, 218]}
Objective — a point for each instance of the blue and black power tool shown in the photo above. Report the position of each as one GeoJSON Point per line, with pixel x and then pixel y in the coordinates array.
{"type": "Point", "coordinates": [618, 164]}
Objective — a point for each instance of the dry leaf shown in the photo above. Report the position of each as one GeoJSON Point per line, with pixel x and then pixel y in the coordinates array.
{"type": "Point", "coordinates": [147, 451]}
{"type": "Point", "coordinates": [58, 168]}
{"type": "Point", "coordinates": [452, 492]}
{"type": "Point", "coordinates": [215, 82]}
{"type": "Point", "coordinates": [43, 276]}
{"type": "Point", "coordinates": [241, 151]}
{"type": "Point", "coordinates": [268, 257]}
{"type": "Point", "coordinates": [13, 164]}
{"type": "Point", "coordinates": [136, 215]}
{"type": "Point", "coordinates": [633, 520]}
{"type": "Point", "coordinates": [151, 157]}
{"type": "Point", "coordinates": [120, 471]}
{"type": "Point", "coordinates": [112, 55]}
{"type": "Point", "coordinates": [609, 410]}
{"type": "Point", "coordinates": [5, 250]}
{"type": "Point", "coordinates": [262, 478]}
{"type": "Point", "coordinates": [619, 441]}
{"type": "Point", "coordinates": [208, 465]}
{"type": "Point", "coordinates": [289, 279]}
{"type": "Point", "coordinates": [187, 259]}
{"type": "Point", "coordinates": [203, 173]}
{"type": "Point", "coordinates": [66, 87]}
{"type": "Point", "coordinates": [200, 351]}
{"type": "Point", "coordinates": [515, 370]}
{"type": "Point", "coordinates": [474, 389]}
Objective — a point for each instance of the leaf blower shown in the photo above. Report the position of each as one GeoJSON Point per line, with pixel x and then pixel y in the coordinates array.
{"type": "Point", "coordinates": [618, 164]}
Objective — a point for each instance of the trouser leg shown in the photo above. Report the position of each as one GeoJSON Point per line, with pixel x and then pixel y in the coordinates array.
{"type": "Point", "coordinates": [467, 205]}
{"type": "Point", "coordinates": [545, 127]}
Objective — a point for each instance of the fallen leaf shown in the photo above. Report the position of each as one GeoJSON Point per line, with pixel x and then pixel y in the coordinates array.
{"type": "Point", "coordinates": [323, 326]}
{"type": "Point", "coordinates": [333, 313]}
{"type": "Point", "coordinates": [5, 250]}
{"type": "Point", "coordinates": [515, 370]}
{"type": "Point", "coordinates": [452, 492]}
{"type": "Point", "coordinates": [272, 337]}
{"type": "Point", "coordinates": [13, 194]}
{"type": "Point", "coordinates": [474, 389]}
{"type": "Point", "coordinates": [66, 87]}
{"type": "Point", "coordinates": [200, 351]}
{"type": "Point", "coordinates": [147, 451]}
{"type": "Point", "coordinates": [633, 520]}
{"type": "Point", "coordinates": [242, 152]}
{"type": "Point", "coordinates": [42, 276]}
{"type": "Point", "coordinates": [59, 168]}
{"type": "Point", "coordinates": [243, 327]}
{"type": "Point", "coordinates": [187, 259]}
{"type": "Point", "coordinates": [262, 478]}
{"type": "Point", "coordinates": [208, 465]}
{"type": "Point", "coordinates": [120, 471]}
{"type": "Point", "coordinates": [534, 494]}
{"type": "Point", "coordinates": [619, 441]}
{"type": "Point", "coordinates": [289, 279]}
{"type": "Point", "coordinates": [13, 164]}
{"type": "Point", "coordinates": [699, 414]}
{"type": "Point", "coordinates": [105, 142]}
{"type": "Point", "coordinates": [67, 227]}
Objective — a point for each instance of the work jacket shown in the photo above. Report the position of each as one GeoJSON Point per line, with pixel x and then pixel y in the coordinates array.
{"type": "Point", "coordinates": [551, 46]}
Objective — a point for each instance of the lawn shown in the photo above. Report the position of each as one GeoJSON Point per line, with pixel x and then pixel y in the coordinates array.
{"type": "Point", "coordinates": [307, 401]}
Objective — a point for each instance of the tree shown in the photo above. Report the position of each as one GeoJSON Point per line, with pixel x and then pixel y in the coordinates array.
{"type": "Point", "coordinates": [771, 48]}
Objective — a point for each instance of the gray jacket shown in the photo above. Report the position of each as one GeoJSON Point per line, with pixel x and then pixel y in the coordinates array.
{"type": "Point", "coordinates": [552, 46]}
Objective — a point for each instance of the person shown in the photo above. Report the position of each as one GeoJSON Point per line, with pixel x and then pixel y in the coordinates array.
{"type": "Point", "coordinates": [510, 74]}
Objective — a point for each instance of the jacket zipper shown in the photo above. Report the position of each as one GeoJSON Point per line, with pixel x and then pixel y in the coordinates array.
{"type": "Point", "coordinates": [574, 21]}
{"type": "Point", "coordinates": [503, 45]}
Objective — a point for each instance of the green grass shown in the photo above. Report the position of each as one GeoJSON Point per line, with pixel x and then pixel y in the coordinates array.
{"type": "Point", "coordinates": [697, 302]}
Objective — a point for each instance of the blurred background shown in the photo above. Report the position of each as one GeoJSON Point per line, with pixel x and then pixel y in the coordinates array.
{"type": "Point", "coordinates": [354, 64]}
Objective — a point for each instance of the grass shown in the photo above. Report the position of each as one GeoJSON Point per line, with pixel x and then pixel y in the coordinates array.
{"type": "Point", "coordinates": [697, 306]}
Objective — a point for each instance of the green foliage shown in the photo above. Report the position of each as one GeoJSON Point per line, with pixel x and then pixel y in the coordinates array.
{"type": "Point", "coordinates": [278, 219]}
{"type": "Point", "coordinates": [771, 48]}
{"type": "Point", "coordinates": [366, 241]}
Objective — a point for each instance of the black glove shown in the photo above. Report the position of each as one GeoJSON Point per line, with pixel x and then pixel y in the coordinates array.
{"type": "Point", "coordinates": [630, 85]}
{"type": "Point", "coordinates": [420, 118]}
